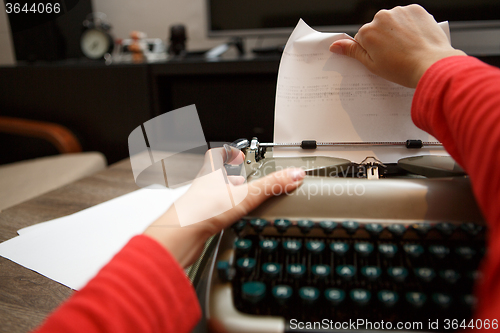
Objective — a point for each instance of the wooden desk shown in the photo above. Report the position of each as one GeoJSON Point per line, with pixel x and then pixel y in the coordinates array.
{"type": "Point", "coordinates": [26, 297]}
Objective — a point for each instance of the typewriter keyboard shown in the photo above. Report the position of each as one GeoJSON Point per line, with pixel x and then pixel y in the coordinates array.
{"type": "Point", "coordinates": [310, 271]}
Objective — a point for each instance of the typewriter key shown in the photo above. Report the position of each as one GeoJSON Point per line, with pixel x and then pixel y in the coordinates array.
{"type": "Point", "coordinates": [346, 271]}
{"type": "Point", "coordinates": [292, 246]}
{"type": "Point", "coordinates": [471, 229]}
{"type": "Point", "coordinates": [387, 297]}
{"type": "Point", "coordinates": [268, 245]}
{"type": "Point", "coordinates": [350, 226]}
{"type": "Point", "coordinates": [246, 265]}
{"type": "Point", "coordinates": [239, 226]}
{"type": "Point", "coordinates": [413, 250]}
{"type": "Point", "coordinates": [335, 296]}
{"type": "Point", "coordinates": [328, 226]}
{"type": "Point", "coordinates": [465, 252]}
{"type": "Point", "coordinates": [253, 291]}
{"type": "Point", "coordinates": [258, 224]}
{"type": "Point", "coordinates": [339, 248]}
{"type": "Point", "coordinates": [449, 275]}
{"type": "Point", "coordinates": [315, 247]}
{"type": "Point", "coordinates": [388, 250]}
{"type": "Point", "coordinates": [363, 248]}
{"type": "Point", "coordinates": [473, 275]}
{"type": "Point", "coordinates": [308, 295]}
{"type": "Point", "coordinates": [305, 225]}
{"type": "Point", "coordinates": [397, 230]}
{"type": "Point", "coordinates": [296, 270]}
{"type": "Point", "coordinates": [421, 228]}
{"type": "Point", "coordinates": [398, 274]}
{"type": "Point", "coordinates": [374, 229]}
{"type": "Point", "coordinates": [282, 293]}
{"type": "Point", "coordinates": [439, 251]}
{"type": "Point", "coordinates": [441, 299]}
{"type": "Point", "coordinates": [469, 300]}
{"type": "Point", "coordinates": [425, 274]}
{"type": "Point", "coordinates": [416, 299]}
{"type": "Point", "coordinates": [321, 271]}
{"type": "Point", "coordinates": [360, 296]}
{"type": "Point", "coordinates": [243, 245]}
{"type": "Point", "coordinates": [371, 272]}
{"type": "Point", "coordinates": [271, 269]}
{"type": "Point", "coordinates": [224, 270]}
{"type": "Point", "coordinates": [445, 228]}
{"type": "Point", "coordinates": [282, 225]}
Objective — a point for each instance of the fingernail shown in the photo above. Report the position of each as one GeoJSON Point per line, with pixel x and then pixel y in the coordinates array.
{"type": "Point", "coordinates": [296, 174]}
{"type": "Point", "coordinates": [334, 48]}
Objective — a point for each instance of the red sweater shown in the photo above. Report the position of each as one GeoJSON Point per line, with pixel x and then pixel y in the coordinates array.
{"type": "Point", "coordinates": [143, 289]}
{"type": "Point", "coordinates": [458, 101]}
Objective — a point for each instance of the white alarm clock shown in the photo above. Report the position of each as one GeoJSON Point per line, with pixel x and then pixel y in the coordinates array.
{"type": "Point", "coordinates": [96, 41]}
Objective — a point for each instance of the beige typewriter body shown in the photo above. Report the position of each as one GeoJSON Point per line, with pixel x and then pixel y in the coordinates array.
{"type": "Point", "coordinates": [406, 200]}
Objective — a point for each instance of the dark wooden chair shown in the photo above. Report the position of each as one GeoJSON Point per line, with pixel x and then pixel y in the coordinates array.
{"type": "Point", "coordinates": [26, 179]}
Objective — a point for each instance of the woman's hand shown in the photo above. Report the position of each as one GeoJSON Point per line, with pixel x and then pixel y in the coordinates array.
{"type": "Point", "coordinates": [399, 44]}
{"type": "Point", "coordinates": [205, 210]}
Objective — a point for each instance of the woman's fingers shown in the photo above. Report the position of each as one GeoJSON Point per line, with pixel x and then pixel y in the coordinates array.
{"type": "Point", "coordinates": [277, 183]}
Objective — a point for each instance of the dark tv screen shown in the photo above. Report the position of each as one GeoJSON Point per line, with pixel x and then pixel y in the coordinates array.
{"type": "Point", "coordinates": [260, 17]}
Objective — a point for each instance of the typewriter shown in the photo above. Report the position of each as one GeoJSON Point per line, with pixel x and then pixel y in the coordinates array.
{"type": "Point", "coordinates": [363, 247]}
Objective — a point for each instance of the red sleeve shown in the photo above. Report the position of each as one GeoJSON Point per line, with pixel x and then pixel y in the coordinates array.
{"type": "Point", "coordinates": [458, 101]}
{"type": "Point", "coordinates": [142, 289]}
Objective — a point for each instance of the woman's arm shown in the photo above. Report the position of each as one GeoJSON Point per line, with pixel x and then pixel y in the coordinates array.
{"type": "Point", "coordinates": [144, 287]}
{"type": "Point", "coordinates": [457, 100]}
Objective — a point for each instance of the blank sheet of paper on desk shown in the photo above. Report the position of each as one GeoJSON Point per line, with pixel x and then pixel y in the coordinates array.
{"type": "Point", "coordinates": [332, 98]}
{"type": "Point", "coordinates": [72, 249]}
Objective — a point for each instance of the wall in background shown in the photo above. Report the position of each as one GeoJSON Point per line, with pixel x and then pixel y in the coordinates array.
{"type": "Point", "coordinates": [154, 17]}
{"type": "Point", "coordinates": [6, 47]}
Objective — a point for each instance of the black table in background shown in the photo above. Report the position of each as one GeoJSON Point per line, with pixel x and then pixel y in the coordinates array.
{"type": "Point", "coordinates": [103, 104]}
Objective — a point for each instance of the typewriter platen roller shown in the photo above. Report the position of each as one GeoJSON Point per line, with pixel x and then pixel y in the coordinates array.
{"type": "Point", "coordinates": [369, 242]}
